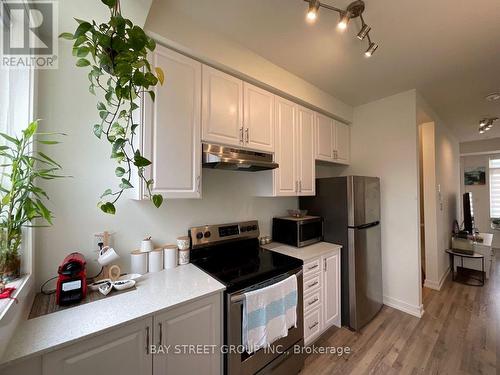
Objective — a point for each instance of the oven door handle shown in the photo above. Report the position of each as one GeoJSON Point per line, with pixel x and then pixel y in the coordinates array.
{"type": "Point", "coordinates": [239, 298]}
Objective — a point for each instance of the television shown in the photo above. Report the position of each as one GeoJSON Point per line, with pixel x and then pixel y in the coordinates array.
{"type": "Point", "coordinates": [468, 213]}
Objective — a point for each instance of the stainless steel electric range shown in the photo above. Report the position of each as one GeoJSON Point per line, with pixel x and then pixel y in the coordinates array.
{"type": "Point", "coordinates": [231, 253]}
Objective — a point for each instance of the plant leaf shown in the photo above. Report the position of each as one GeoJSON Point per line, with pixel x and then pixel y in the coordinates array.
{"type": "Point", "coordinates": [140, 161]}
{"type": "Point", "coordinates": [106, 192]}
{"type": "Point", "coordinates": [67, 36]}
{"type": "Point", "coordinates": [160, 74]}
{"type": "Point", "coordinates": [108, 208]}
{"type": "Point", "coordinates": [82, 62]}
{"type": "Point", "coordinates": [157, 200]}
{"type": "Point", "coordinates": [119, 171]}
{"type": "Point", "coordinates": [125, 184]}
{"type": "Point", "coordinates": [98, 130]}
{"type": "Point", "coordinates": [109, 3]}
{"type": "Point", "coordinates": [82, 28]}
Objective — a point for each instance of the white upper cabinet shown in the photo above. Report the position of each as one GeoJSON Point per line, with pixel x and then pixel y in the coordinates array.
{"type": "Point", "coordinates": [325, 137]}
{"type": "Point", "coordinates": [222, 119]}
{"type": "Point", "coordinates": [332, 140]}
{"type": "Point", "coordinates": [171, 135]}
{"type": "Point", "coordinates": [343, 143]}
{"type": "Point", "coordinates": [285, 177]}
{"type": "Point", "coordinates": [306, 172]}
{"type": "Point", "coordinates": [258, 109]}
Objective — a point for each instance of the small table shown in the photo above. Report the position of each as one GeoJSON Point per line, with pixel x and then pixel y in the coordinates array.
{"type": "Point", "coordinates": [454, 253]}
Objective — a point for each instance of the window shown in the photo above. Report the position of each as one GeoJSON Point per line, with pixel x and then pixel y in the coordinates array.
{"type": "Point", "coordinates": [495, 188]}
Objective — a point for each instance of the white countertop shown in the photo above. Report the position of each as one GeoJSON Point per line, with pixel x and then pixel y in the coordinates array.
{"type": "Point", "coordinates": [303, 253]}
{"type": "Point", "coordinates": [154, 293]}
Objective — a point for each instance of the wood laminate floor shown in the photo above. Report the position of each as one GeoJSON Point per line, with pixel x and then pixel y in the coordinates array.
{"type": "Point", "coordinates": [456, 335]}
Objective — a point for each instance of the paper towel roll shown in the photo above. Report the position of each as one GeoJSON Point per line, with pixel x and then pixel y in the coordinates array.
{"type": "Point", "coordinates": [138, 262]}
{"type": "Point", "coordinates": [170, 256]}
{"type": "Point", "coordinates": [155, 260]}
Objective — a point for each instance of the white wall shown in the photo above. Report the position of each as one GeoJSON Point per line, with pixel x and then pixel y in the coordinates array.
{"type": "Point", "coordinates": [385, 144]}
{"type": "Point", "coordinates": [444, 191]}
{"type": "Point", "coordinates": [179, 31]}
{"type": "Point", "coordinates": [65, 105]}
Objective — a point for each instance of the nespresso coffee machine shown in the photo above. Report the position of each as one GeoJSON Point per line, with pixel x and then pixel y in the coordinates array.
{"type": "Point", "coordinates": [72, 280]}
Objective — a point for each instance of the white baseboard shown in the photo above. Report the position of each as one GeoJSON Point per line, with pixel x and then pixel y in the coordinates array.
{"type": "Point", "coordinates": [437, 285]}
{"type": "Point", "coordinates": [395, 303]}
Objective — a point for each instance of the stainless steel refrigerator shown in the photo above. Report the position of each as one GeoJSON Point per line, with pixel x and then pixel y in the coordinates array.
{"type": "Point", "coordinates": [350, 207]}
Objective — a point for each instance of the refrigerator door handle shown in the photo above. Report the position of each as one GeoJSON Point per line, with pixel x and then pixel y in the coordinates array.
{"type": "Point", "coordinates": [366, 226]}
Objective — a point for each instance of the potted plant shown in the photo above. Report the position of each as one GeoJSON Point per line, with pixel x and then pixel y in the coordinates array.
{"type": "Point", "coordinates": [21, 200]}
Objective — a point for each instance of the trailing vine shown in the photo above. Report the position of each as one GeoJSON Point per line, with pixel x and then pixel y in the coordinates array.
{"type": "Point", "coordinates": [116, 54]}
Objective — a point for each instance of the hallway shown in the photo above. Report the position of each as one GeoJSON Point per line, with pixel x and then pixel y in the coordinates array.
{"type": "Point", "coordinates": [457, 335]}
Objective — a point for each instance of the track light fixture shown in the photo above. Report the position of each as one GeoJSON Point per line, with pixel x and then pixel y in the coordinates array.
{"type": "Point", "coordinates": [486, 124]}
{"type": "Point", "coordinates": [353, 10]}
{"type": "Point", "coordinates": [312, 13]}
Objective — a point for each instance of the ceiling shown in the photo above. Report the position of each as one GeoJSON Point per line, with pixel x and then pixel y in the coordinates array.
{"type": "Point", "coordinates": [448, 50]}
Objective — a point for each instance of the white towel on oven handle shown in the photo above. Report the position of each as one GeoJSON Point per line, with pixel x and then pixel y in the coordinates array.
{"type": "Point", "coordinates": [268, 313]}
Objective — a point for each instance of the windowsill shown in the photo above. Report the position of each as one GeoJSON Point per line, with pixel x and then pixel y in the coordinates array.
{"type": "Point", "coordinates": [22, 289]}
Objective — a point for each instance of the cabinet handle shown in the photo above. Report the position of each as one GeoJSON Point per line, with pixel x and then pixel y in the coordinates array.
{"type": "Point", "coordinates": [312, 302]}
{"type": "Point", "coordinates": [300, 185]}
{"type": "Point", "coordinates": [313, 267]}
{"type": "Point", "coordinates": [247, 136]}
{"type": "Point", "coordinates": [313, 284]}
{"type": "Point", "coordinates": [241, 134]}
{"type": "Point", "coordinates": [297, 186]}
{"type": "Point", "coordinates": [324, 264]}
{"type": "Point", "coordinates": [198, 184]}
{"type": "Point", "coordinates": [160, 340]}
{"type": "Point", "coordinates": [147, 340]}
{"type": "Point", "coordinates": [314, 325]}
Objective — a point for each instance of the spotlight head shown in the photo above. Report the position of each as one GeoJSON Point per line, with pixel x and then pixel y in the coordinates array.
{"type": "Point", "coordinates": [481, 131]}
{"type": "Point", "coordinates": [344, 20]}
{"type": "Point", "coordinates": [371, 49]}
{"type": "Point", "coordinates": [312, 12]}
{"type": "Point", "coordinates": [364, 32]}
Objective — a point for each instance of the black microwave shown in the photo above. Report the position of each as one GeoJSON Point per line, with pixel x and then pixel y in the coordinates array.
{"type": "Point", "coordinates": [298, 232]}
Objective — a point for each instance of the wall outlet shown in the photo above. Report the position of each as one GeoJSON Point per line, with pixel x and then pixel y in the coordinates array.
{"type": "Point", "coordinates": [98, 238]}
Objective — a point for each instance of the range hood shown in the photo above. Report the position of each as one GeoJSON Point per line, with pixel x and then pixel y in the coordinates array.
{"type": "Point", "coordinates": [235, 159]}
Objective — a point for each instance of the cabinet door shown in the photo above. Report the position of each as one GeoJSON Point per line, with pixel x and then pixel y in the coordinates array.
{"type": "Point", "coordinates": [305, 155]}
{"type": "Point", "coordinates": [172, 127]}
{"type": "Point", "coordinates": [258, 121]}
{"type": "Point", "coordinates": [122, 351]}
{"type": "Point", "coordinates": [195, 326]}
{"type": "Point", "coordinates": [325, 146]}
{"type": "Point", "coordinates": [285, 177]}
{"type": "Point", "coordinates": [222, 120]}
{"type": "Point", "coordinates": [331, 288]}
{"type": "Point", "coordinates": [342, 143]}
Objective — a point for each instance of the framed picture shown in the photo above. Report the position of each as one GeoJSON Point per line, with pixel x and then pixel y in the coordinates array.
{"type": "Point", "coordinates": [475, 176]}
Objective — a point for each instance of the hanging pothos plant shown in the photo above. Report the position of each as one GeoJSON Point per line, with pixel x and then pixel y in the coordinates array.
{"type": "Point", "coordinates": [116, 54]}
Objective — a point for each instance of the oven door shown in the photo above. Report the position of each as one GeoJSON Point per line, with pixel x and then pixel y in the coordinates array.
{"type": "Point", "coordinates": [309, 232]}
{"type": "Point", "coordinates": [244, 363]}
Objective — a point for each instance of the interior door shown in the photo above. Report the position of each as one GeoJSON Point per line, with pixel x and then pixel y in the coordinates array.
{"type": "Point", "coordinates": [365, 275]}
{"type": "Point", "coordinates": [305, 155]}
{"type": "Point", "coordinates": [324, 138]}
{"type": "Point", "coordinates": [172, 139]}
{"type": "Point", "coordinates": [286, 147]}
{"type": "Point", "coordinates": [258, 121]}
{"type": "Point", "coordinates": [222, 120]}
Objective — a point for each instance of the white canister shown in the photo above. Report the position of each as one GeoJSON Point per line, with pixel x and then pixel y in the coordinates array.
{"type": "Point", "coordinates": [147, 245]}
{"type": "Point", "coordinates": [183, 256]}
{"type": "Point", "coordinates": [156, 260]}
{"type": "Point", "coordinates": [183, 243]}
{"type": "Point", "coordinates": [169, 256]}
{"type": "Point", "coordinates": [138, 262]}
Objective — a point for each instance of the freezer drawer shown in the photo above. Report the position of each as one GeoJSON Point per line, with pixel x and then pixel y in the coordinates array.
{"type": "Point", "coordinates": [365, 275]}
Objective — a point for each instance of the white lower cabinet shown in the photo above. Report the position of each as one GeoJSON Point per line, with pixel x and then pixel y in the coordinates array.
{"type": "Point", "coordinates": [122, 351]}
{"type": "Point", "coordinates": [321, 295]}
{"type": "Point", "coordinates": [187, 335]}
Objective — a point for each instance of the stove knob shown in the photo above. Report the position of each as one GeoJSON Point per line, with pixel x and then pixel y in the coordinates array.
{"type": "Point", "coordinates": [254, 227]}
{"type": "Point", "coordinates": [243, 229]}
{"type": "Point", "coordinates": [207, 234]}
{"type": "Point", "coordinates": [199, 235]}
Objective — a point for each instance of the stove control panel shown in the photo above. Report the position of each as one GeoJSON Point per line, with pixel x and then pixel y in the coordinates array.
{"type": "Point", "coordinates": [209, 234]}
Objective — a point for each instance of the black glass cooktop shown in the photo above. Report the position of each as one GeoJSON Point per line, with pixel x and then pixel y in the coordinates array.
{"type": "Point", "coordinates": [240, 264]}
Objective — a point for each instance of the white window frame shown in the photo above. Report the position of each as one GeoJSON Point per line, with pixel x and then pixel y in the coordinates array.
{"type": "Point", "coordinates": [494, 187]}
